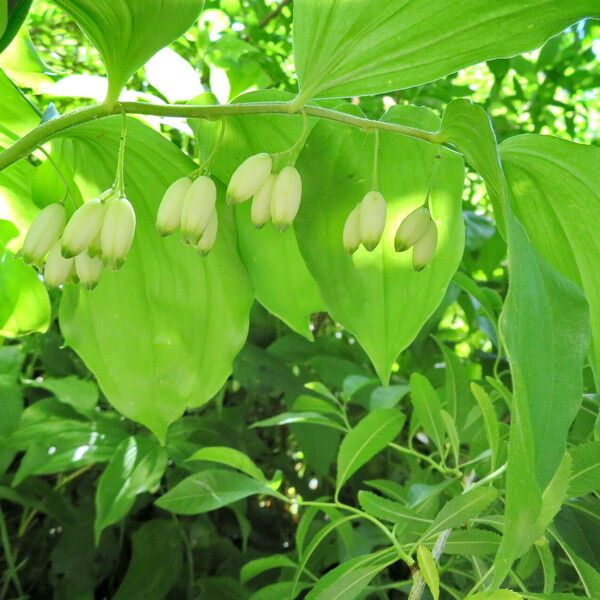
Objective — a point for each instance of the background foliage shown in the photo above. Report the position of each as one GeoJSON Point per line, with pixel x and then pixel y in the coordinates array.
{"type": "Point", "coordinates": [92, 505]}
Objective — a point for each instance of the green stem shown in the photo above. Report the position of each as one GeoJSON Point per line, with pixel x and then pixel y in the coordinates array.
{"type": "Point", "coordinates": [375, 174]}
{"type": "Point", "coordinates": [341, 506]}
{"type": "Point", "coordinates": [120, 178]}
{"type": "Point", "coordinates": [10, 562]}
{"type": "Point", "coordinates": [439, 468]}
{"type": "Point", "coordinates": [204, 168]}
{"type": "Point", "coordinates": [41, 134]}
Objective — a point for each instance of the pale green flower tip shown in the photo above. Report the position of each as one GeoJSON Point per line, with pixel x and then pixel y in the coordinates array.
{"type": "Point", "coordinates": [68, 252]}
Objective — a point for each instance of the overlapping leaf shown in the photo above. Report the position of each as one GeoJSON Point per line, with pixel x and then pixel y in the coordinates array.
{"type": "Point", "coordinates": [282, 282]}
{"type": "Point", "coordinates": [378, 296]}
{"type": "Point", "coordinates": [189, 315]}
{"type": "Point", "coordinates": [128, 32]}
{"type": "Point", "coordinates": [360, 47]}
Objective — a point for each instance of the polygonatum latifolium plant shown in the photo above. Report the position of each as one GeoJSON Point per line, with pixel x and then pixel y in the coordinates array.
{"type": "Point", "coordinates": [409, 408]}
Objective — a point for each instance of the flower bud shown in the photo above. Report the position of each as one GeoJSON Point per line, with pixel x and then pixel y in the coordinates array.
{"type": "Point", "coordinates": [371, 219]}
{"type": "Point", "coordinates": [249, 177]}
{"type": "Point", "coordinates": [88, 270]}
{"type": "Point", "coordinates": [44, 232]}
{"type": "Point", "coordinates": [285, 198]}
{"type": "Point", "coordinates": [424, 249]}
{"type": "Point", "coordinates": [82, 228]}
{"type": "Point", "coordinates": [116, 235]}
{"type": "Point", "coordinates": [412, 228]}
{"type": "Point", "coordinates": [168, 219]}
{"type": "Point", "coordinates": [351, 235]}
{"type": "Point", "coordinates": [198, 206]}
{"type": "Point", "coordinates": [261, 203]}
{"type": "Point", "coordinates": [95, 247]}
{"type": "Point", "coordinates": [57, 269]}
{"type": "Point", "coordinates": [207, 241]}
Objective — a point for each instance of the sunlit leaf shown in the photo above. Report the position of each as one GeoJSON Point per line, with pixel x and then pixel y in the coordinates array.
{"type": "Point", "coordinates": [191, 312]}
{"type": "Point", "coordinates": [128, 32]}
{"type": "Point", "coordinates": [281, 280]}
{"type": "Point", "coordinates": [378, 296]}
{"type": "Point", "coordinates": [230, 457]}
{"type": "Point", "coordinates": [364, 47]}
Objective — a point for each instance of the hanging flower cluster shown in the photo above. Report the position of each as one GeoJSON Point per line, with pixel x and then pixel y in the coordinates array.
{"type": "Point", "coordinates": [190, 205]}
{"type": "Point", "coordinates": [366, 223]}
{"type": "Point", "coordinates": [99, 234]}
{"type": "Point", "coordinates": [275, 198]}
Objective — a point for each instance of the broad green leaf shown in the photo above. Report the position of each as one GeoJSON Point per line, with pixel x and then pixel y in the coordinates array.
{"type": "Point", "coordinates": [388, 510]}
{"type": "Point", "coordinates": [3, 16]}
{"type": "Point", "coordinates": [364, 47]}
{"type": "Point", "coordinates": [81, 394]}
{"type": "Point", "coordinates": [308, 417]}
{"type": "Point", "coordinates": [468, 127]}
{"type": "Point", "coordinates": [155, 563]}
{"type": "Point", "coordinates": [369, 437]}
{"type": "Point", "coordinates": [281, 280]}
{"type": "Point", "coordinates": [18, 114]}
{"type": "Point", "coordinates": [472, 542]}
{"type": "Point", "coordinates": [230, 457]}
{"type": "Point", "coordinates": [378, 296]}
{"type": "Point", "coordinates": [137, 466]}
{"type": "Point", "coordinates": [490, 422]}
{"type": "Point", "coordinates": [128, 32]}
{"type": "Point", "coordinates": [256, 567]}
{"type": "Point", "coordinates": [57, 439]}
{"type": "Point", "coordinates": [554, 185]}
{"type": "Point", "coordinates": [460, 510]}
{"type": "Point", "coordinates": [191, 313]}
{"type": "Point", "coordinates": [24, 303]}
{"type": "Point", "coordinates": [585, 476]}
{"type": "Point", "coordinates": [428, 410]}
{"type": "Point", "coordinates": [545, 328]}
{"type": "Point", "coordinates": [11, 394]}
{"type": "Point", "coordinates": [348, 580]}
{"type": "Point", "coordinates": [12, 15]}
{"type": "Point", "coordinates": [209, 490]}
{"type": "Point", "coordinates": [23, 65]}
{"type": "Point", "coordinates": [429, 570]}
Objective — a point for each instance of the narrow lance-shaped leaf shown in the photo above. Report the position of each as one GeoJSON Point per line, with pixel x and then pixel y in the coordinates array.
{"type": "Point", "coordinates": [428, 410]}
{"type": "Point", "coordinates": [461, 509]}
{"type": "Point", "coordinates": [368, 438]}
{"type": "Point", "coordinates": [429, 570]}
{"type": "Point", "coordinates": [585, 476]}
{"type": "Point", "coordinates": [490, 421]}
{"type": "Point", "coordinates": [230, 457]}
{"type": "Point", "coordinates": [208, 490]}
